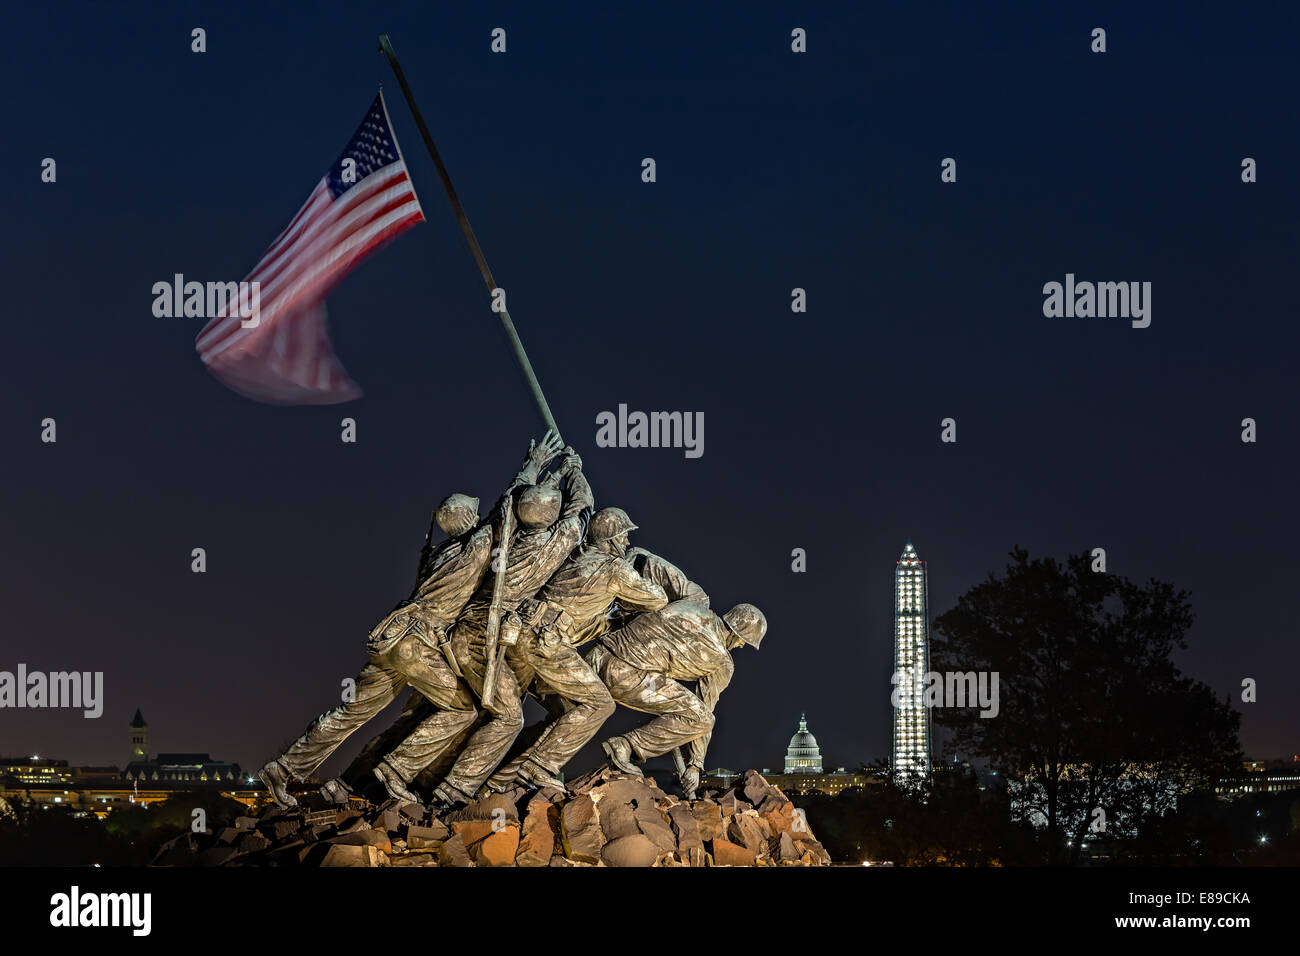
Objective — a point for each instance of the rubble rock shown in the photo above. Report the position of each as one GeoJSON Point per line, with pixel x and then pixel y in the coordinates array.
{"type": "Point", "coordinates": [580, 830]}
{"type": "Point", "coordinates": [726, 853]}
{"type": "Point", "coordinates": [216, 855]}
{"type": "Point", "coordinates": [747, 829]}
{"type": "Point", "coordinates": [472, 831]}
{"type": "Point", "coordinates": [412, 813]}
{"type": "Point", "coordinates": [251, 842]}
{"type": "Point", "coordinates": [452, 852]}
{"type": "Point", "coordinates": [608, 819]}
{"type": "Point", "coordinates": [420, 838]}
{"type": "Point", "coordinates": [686, 827]}
{"type": "Point", "coordinates": [633, 850]}
{"type": "Point", "coordinates": [281, 829]}
{"type": "Point", "coordinates": [617, 820]}
{"type": "Point", "coordinates": [414, 859]}
{"type": "Point", "coordinates": [731, 803]}
{"type": "Point", "coordinates": [654, 825]}
{"type": "Point", "coordinates": [338, 854]}
{"type": "Point", "coordinates": [765, 797]}
{"type": "Point", "coordinates": [498, 806]}
{"type": "Point", "coordinates": [286, 855]}
{"type": "Point", "coordinates": [538, 837]}
{"type": "Point", "coordinates": [708, 816]}
{"type": "Point", "coordinates": [497, 848]}
{"type": "Point", "coordinates": [376, 838]}
{"type": "Point", "coordinates": [783, 849]}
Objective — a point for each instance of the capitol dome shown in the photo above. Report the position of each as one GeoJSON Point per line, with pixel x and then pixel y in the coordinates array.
{"type": "Point", "coordinates": [803, 755]}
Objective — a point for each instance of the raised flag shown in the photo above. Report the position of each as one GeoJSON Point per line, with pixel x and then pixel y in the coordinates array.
{"type": "Point", "coordinates": [283, 354]}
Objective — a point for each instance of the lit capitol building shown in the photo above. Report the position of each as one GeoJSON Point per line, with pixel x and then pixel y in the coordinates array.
{"type": "Point", "coordinates": [803, 755]}
{"type": "Point", "coordinates": [803, 769]}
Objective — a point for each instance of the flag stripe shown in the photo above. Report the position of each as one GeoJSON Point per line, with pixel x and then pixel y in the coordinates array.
{"type": "Point", "coordinates": [318, 234]}
{"type": "Point", "coordinates": [320, 267]}
{"type": "Point", "coordinates": [363, 201]}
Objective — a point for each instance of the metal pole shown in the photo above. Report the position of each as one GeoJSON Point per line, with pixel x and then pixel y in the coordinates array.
{"type": "Point", "coordinates": [525, 365]}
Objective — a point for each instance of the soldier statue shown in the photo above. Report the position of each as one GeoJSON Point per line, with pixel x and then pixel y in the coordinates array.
{"type": "Point", "coordinates": [410, 646]}
{"type": "Point", "coordinates": [552, 524]}
{"type": "Point", "coordinates": [643, 662]}
{"type": "Point", "coordinates": [570, 610]}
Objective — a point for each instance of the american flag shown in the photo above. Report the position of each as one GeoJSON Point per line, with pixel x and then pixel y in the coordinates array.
{"type": "Point", "coordinates": [287, 358]}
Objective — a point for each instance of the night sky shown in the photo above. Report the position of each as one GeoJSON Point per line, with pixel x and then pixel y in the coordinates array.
{"type": "Point", "coordinates": [775, 171]}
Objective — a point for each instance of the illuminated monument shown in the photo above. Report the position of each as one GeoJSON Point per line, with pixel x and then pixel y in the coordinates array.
{"type": "Point", "coordinates": [803, 755]}
{"type": "Point", "coordinates": [803, 773]}
{"type": "Point", "coordinates": [911, 663]}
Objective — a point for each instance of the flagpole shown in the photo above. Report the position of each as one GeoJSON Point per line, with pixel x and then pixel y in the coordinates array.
{"type": "Point", "coordinates": [525, 365]}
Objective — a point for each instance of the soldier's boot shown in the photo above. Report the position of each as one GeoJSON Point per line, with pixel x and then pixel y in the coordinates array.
{"type": "Point", "coordinates": [446, 796]}
{"type": "Point", "coordinates": [394, 783]}
{"type": "Point", "coordinates": [619, 752]}
{"type": "Point", "coordinates": [336, 791]}
{"type": "Point", "coordinates": [276, 780]}
{"type": "Point", "coordinates": [497, 784]}
{"type": "Point", "coordinates": [535, 775]}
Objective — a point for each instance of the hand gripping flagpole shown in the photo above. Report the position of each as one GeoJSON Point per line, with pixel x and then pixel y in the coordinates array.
{"type": "Point", "coordinates": [525, 366]}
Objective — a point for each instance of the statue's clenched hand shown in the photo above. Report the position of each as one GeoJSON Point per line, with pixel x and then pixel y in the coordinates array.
{"type": "Point", "coordinates": [690, 782]}
{"type": "Point", "coordinates": [572, 461]}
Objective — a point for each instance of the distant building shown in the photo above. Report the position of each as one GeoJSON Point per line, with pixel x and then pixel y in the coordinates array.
{"type": "Point", "coordinates": [139, 739]}
{"type": "Point", "coordinates": [99, 790]}
{"type": "Point", "coordinates": [1260, 776]}
{"type": "Point", "coordinates": [87, 796]}
{"type": "Point", "coordinates": [831, 784]}
{"type": "Point", "coordinates": [803, 770]}
{"type": "Point", "coordinates": [36, 770]}
{"type": "Point", "coordinates": [182, 771]}
{"type": "Point", "coordinates": [803, 755]}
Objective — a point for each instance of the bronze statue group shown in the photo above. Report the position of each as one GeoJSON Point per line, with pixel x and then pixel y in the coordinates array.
{"type": "Point", "coordinates": [542, 597]}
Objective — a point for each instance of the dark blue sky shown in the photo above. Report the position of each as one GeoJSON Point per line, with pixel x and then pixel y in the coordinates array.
{"type": "Point", "coordinates": [822, 431]}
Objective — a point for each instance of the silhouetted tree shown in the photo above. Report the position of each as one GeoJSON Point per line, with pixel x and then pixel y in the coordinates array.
{"type": "Point", "coordinates": [1093, 712]}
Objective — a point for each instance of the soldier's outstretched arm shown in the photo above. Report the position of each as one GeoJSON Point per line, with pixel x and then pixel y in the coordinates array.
{"type": "Point", "coordinates": [667, 575]}
{"type": "Point", "coordinates": [577, 492]}
{"type": "Point", "coordinates": [540, 454]}
{"type": "Point", "coordinates": [631, 590]}
{"type": "Point", "coordinates": [571, 461]}
{"type": "Point", "coordinates": [566, 533]}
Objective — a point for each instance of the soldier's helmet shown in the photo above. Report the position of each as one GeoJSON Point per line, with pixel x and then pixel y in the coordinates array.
{"type": "Point", "coordinates": [457, 514]}
{"type": "Point", "coordinates": [538, 507]}
{"type": "Point", "coordinates": [608, 523]}
{"type": "Point", "coordinates": [748, 622]}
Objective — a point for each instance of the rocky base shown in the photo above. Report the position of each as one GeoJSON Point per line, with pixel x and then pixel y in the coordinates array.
{"type": "Point", "coordinates": [608, 819]}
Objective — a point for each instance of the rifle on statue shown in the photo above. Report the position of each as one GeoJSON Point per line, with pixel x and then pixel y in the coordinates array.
{"type": "Point", "coordinates": [495, 651]}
